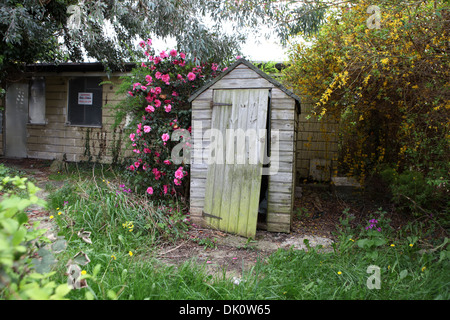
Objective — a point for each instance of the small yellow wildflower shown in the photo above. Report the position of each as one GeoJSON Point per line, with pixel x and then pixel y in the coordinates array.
{"type": "Point", "coordinates": [113, 257]}
{"type": "Point", "coordinates": [57, 208]}
{"type": "Point", "coordinates": [411, 245]}
{"type": "Point", "coordinates": [392, 245]}
{"type": "Point", "coordinates": [423, 269]}
{"type": "Point", "coordinates": [339, 272]}
{"type": "Point", "coordinates": [51, 217]}
{"type": "Point", "coordinates": [130, 253]}
{"type": "Point", "coordinates": [384, 61]}
{"type": "Point", "coordinates": [83, 272]}
{"type": "Point", "coordinates": [59, 213]}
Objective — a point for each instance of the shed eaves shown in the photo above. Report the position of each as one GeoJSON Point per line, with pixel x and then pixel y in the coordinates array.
{"type": "Point", "coordinates": [252, 67]}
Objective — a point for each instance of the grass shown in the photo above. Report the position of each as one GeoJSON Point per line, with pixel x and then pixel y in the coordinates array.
{"type": "Point", "coordinates": [126, 229]}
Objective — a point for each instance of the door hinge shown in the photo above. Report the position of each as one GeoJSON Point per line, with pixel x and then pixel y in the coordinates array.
{"type": "Point", "coordinates": [210, 215]}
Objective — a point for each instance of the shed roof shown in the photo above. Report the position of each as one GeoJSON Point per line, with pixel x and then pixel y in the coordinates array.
{"type": "Point", "coordinates": [252, 67]}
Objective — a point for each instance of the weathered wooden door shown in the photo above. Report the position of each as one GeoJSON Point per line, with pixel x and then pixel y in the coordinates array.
{"type": "Point", "coordinates": [16, 118]}
{"type": "Point", "coordinates": [237, 142]}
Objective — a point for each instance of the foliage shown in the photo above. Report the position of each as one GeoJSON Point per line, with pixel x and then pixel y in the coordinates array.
{"type": "Point", "coordinates": [70, 30]}
{"type": "Point", "coordinates": [160, 116]}
{"type": "Point", "coordinates": [387, 86]}
{"type": "Point", "coordinates": [20, 277]}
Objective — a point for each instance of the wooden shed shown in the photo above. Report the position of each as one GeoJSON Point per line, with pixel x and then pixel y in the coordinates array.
{"type": "Point", "coordinates": [244, 130]}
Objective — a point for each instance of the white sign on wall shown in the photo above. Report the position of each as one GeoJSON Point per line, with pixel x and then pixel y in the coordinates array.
{"type": "Point", "coordinates": [85, 98]}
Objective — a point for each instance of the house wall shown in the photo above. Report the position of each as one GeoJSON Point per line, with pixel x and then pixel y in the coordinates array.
{"type": "Point", "coordinates": [58, 140]}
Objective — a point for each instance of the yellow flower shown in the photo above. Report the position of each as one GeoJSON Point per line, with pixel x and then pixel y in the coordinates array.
{"type": "Point", "coordinates": [57, 208]}
{"type": "Point", "coordinates": [423, 269]}
{"type": "Point", "coordinates": [384, 61]}
{"type": "Point", "coordinates": [339, 272]}
{"type": "Point", "coordinates": [83, 272]}
{"type": "Point", "coordinates": [59, 213]}
{"type": "Point", "coordinates": [51, 217]}
{"type": "Point", "coordinates": [130, 253]}
{"type": "Point", "coordinates": [411, 245]}
{"type": "Point", "coordinates": [392, 245]}
{"type": "Point", "coordinates": [114, 257]}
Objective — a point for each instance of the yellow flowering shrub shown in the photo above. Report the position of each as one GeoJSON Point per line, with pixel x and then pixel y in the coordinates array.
{"type": "Point", "coordinates": [388, 86]}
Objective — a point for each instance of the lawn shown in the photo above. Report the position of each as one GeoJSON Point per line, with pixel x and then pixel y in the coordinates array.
{"type": "Point", "coordinates": [111, 237]}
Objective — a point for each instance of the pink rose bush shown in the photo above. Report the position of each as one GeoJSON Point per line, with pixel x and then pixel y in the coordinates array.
{"type": "Point", "coordinates": [157, 93]}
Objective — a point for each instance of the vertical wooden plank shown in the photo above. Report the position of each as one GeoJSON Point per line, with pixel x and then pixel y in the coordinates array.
{"type": "Point", "coordinates": [257, 122]}
{"type": "Point", "coordinates": [210, 175]}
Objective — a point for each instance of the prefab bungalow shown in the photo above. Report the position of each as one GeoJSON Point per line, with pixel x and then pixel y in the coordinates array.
{"type": "Point", "coordinates": [61, 111]}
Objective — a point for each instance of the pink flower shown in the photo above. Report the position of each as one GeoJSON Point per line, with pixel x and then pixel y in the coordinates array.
{"type": "Point", "coordinates": [191, 76]}
{"type": "Point", "coordinates": [163, 55]}
{"type": "Point", "coordinates": [173, 53]}
{"type": "Point", "coordinates": [150, 190]}
{"type": "Point", "coordinates": [147, 150]}
{"type": "Point", "coordinates": [179, 173]}
{"type": "Point", "coordinates": [177, 182]}
{"type": "Point", "coordinates": [130, 93]}
{"type": "Point", "coordinates": [182, 55]}
{"type": "Point", "coordinates": [136, 164]}
{"type": "Point", "coordinates": [174, 94]}
{"type": "Point", "coordinates": [150, 108]}
{"type": "Point", "coordinates": [136, 151]}
{"type": "Point", "coordinates": [137, 84]}
{"type": "Point", "coordinates": [165, 189]}
{"type": "Point", "coordinates": [165, 137]}
{"type": "Point", "coordinates": [149, 79]}
{"type": "Point", "coordinates": [149, 42]}
{"type": "Point", "coordinates": [167, 161]}
{"type": "Point", "coordinates": [156, 60]}
{"type": "Point", "coordinates": [157, 90]}
{"type": "Point", "coordinates": [214, 66]}
{"type": "Point", "coordinates": [238, 57]}
{"type": "Point", "coordinates": [157, 103]}
{"type": "Point", "coordinates": [142, 43]}
{"type": "Point", "coordinates": [165, 78]}
{"type": "Point", "coordinates": [158, 75]}
{"type": "Point", "coordinates": [143, 88]}
{"type": "Point", "coordinates": [179, 77]}
{"type": "Point", "coordinates": [147, 129]}
{"type": "Point", "coordinates": [132, 168]}
{"type": "Point", "coordinates": [132, 136]}
{"type": "Point", "coordinates": [168, 108]}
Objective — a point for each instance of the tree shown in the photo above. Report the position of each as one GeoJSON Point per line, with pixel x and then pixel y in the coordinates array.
{"type": "Point", "coordinates": [386, 81]}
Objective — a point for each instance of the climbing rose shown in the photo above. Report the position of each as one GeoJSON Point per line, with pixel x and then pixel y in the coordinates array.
{"type": "Point", "coordinates": [191, 76]}
{"type": "Point", "coordinates": [168, 108]}
{"type": "Point", "coordinates": [165, 137]}
{"type": "Point", "coordinates": [150, 190]}
{"type": "Point", "coordinates": [147, 129]}
{"type": "Point", "coordinates": [179, 173]}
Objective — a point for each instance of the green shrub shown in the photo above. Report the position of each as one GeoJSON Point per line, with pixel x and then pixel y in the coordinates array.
{"type": "Point", "coordinates": [19, 276]}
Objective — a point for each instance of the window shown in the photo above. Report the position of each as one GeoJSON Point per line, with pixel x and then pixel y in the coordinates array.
{"type": "Point", "coordinates": [85, 101]}
{"type": "Point", "coordinates": [36, 103]}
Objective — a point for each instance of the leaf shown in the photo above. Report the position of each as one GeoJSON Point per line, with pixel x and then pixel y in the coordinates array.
{"type": "Point", "coordinates": [85, 236]}
{"type": "Point", "coordinates": [19, 236]}
{"type": "Point", "coordinates": [403, 274]}
{"type": "Point", "coordinates": [81, 258]}
{"type": "Point", "coordinates": [59, 245]}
